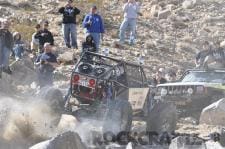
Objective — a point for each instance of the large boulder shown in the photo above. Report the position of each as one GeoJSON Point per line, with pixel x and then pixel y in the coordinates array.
{"type": "Point", "coordinates": [188, 4]}
{"type": "Point", "coordinates": [67, 122]}
{"type": "Point", "coordinates": [67, 57]}
{"type": "Point", "coordinates": [214, 114]}
{"type": "Point", "coordinates": [67, 140]}
{"type": "Point", "coordinates": [213, 145]}
{"type": "Point", "coordinates": [184, 142]}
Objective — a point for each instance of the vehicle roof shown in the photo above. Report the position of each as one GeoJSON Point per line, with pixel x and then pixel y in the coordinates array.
{"type": "Point", "coordinates": [114, 59]}
{"type": "Point", "coordinates": [207, 70]}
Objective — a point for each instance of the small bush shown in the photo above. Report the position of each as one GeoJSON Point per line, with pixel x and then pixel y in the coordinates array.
{"type": "Point", "coordinates": [25, 30]}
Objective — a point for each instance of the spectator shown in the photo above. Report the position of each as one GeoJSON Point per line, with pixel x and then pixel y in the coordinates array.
{"type": "Point", "coordinates": [69, 24]}
{"type": "Point", "coordinates": [131, 11]}
{"type": "Point", "coordinates": [159, 78]}
{"type": "Point", "coordinates": [215, 58]}
{"type": "Point", "coordinates": [35, 41]}
{"type": "Point", "coordinates": [171, 76]}
{"type": "Point", "coordinates": [6, 45]}
{"type": "Point", "coordinates": [18, 45]}
{"type": "Point", "coordinates": [44, 36]}
{"type": "Point", "coordinates": [89, 44]}
{"type": "Point", "coordinates": [200, 57]}
{"type": "Point", "coordinates": [94, 26]}
{"type": "Point", "coordinates": [46, 63]}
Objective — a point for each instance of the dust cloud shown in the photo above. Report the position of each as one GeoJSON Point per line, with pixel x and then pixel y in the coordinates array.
{"type": "Point", "coordinates": [24, 122]}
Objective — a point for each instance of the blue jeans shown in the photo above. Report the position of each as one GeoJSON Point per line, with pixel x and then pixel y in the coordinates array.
{"type": "Point", "coordinates": [70, 34]}
{"type": "Point", "coordinates": [96, 37]}
{"type": "Point", "coordinates": [4, 56]}
{"type": "Point", "coordinates": [131, 23]}
{"type": "Point", "coordinates": [18, 50]}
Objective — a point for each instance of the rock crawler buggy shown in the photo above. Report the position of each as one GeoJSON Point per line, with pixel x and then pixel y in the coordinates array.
{"type": "Point", "coordinates": [109, 89]}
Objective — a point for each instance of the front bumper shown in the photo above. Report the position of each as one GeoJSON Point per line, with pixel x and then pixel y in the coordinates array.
{"type": "Point", "coordinates": [182, 100]}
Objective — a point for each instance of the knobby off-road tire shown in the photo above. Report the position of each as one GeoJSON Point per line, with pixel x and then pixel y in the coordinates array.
{"type": "Point", "coordinates": [162, 117]}
{"type": "Point", "coordinates": [118, 117]}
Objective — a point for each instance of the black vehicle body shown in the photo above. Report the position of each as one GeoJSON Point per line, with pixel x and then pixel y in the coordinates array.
{"type": "Point", "coordinates": [94, 76]}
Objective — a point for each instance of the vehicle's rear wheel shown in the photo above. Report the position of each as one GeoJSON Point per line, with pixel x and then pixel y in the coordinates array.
{"type": "Point", "coordinates": [118, 116]}
{"type": "Point", "coordinates": [162, 117]}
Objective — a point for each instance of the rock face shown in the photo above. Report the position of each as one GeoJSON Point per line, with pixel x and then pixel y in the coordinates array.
{"type": "Point", "coordinates": [67, 140]}
{"type": "Point", "coordinates": [214, 114]}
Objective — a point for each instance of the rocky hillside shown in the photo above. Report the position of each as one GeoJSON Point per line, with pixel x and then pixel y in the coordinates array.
{"type": "Point", "coordinates": [170, 32]}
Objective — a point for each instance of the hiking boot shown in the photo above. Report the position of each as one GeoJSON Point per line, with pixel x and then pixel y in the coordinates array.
{"type": "Point", "coordinates": [7, 70]}
{"type": "Point", "coordinates": [68, 45]}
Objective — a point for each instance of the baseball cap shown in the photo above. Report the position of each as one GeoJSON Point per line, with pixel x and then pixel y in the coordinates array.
{"type": "Point", "coordinates": [94, 7]}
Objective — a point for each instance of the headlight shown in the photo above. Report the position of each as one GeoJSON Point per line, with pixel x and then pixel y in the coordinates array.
{"type": "Point", "coordinates": [190, 91]}
{"type": "Point", "coordinates": [164, 92]}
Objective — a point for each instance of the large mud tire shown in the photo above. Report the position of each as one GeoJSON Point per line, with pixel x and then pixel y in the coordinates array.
{"type": "Point", "coordinates": [118, 116]}
{"type": "Point", "coordinates": [162, 117]}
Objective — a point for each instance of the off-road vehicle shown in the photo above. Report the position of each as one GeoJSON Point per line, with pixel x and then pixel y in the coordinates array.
{"type": "Point", "coordinates": [108, 89]}
{"type": "Point", "coordinates": [196, 89]}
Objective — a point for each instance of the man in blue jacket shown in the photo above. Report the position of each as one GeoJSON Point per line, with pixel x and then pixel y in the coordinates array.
{"type": "Point", "coordinates": [94, 26]}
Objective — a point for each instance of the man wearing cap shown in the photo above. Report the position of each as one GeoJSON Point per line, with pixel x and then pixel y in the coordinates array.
{"type": "Point", "coordinates": [44, 36]}
{"type": "Point", "coordinates": [131, 11]}
{"type": "Point", "coordinates": [46, 63]}
{"type": "Point", "coordinates": [159, 77]}
{"type": "Point", "coordinates": [6, 45]}
{"type": "Point", "coordinates": [69, 24]}
{"type": "Point", "coordinates": [94, 26]}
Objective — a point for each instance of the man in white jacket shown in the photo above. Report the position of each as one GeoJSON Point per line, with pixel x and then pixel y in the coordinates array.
{"type": "Point", "coordinates": [131, 10]}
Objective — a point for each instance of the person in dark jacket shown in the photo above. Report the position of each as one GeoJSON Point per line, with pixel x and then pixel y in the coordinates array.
{"type": "Point", "coordinates": [200, 57]}
{"type": "Point", "coordinates": [44, 36]}
{"type": "Point", "coordinates": [6, 45]}
{"type": "Point", "coordinates": [93, 24]}
{"type": "Point", "coordinates": [89, 44]}
{"type": "Point", "coordinates": [159, 78]}
{"type": "Point", "coordinates": [46, 64]}
{"type": "Point", "coordinates": [69, 24]}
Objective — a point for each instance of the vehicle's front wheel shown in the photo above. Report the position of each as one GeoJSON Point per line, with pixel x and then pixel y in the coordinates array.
{"type": "Point", "coordinates": [118, 116]}
{"type": "Point", "coordinates": [162, 118]}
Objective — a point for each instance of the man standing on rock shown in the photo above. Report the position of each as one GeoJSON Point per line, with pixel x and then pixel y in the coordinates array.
{"type": "Point", "coordinates": [69, 24]}
{"type": "Point", "coordinates": [6, 45]}
{"type": "Point", "coordinates": [46, 63]}
{"type": "Point", "coordinates": [131, 11]}
{"type": "Point", "coordinates": [94, 26]}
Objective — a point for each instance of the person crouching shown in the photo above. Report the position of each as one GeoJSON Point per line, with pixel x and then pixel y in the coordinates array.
{"type": "Point", "coordinates": [89, 45]}
{"type": "Point", "coordinates": [46, 64]}
{"type": "Point", "coordinates": [18, 48]}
